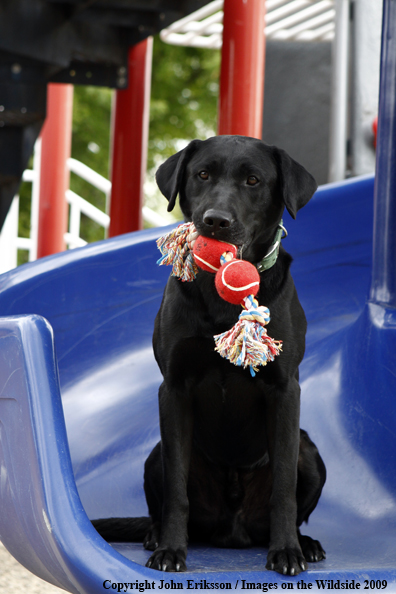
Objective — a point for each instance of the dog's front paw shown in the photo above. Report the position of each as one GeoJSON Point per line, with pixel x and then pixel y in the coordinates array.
{"type": "Point", "coordinates": [167, 559]}
{"type": "Point", "coordinates": [287, 561]}
{"type": "Point", "coordinates": [312, 549]}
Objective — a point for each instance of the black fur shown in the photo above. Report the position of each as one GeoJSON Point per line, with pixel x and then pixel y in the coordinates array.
{"type": "Point", "coordinates": [232, 468]}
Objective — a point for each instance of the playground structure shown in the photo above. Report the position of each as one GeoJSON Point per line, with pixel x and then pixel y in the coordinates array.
{"type": "Point", "coordinates": [124, 63]}
{"type": "Point", "coordinates": [300, 36]}
{"type": "Point", "coordinates": [73, 441]}
{"type": "Point", "coordinates": [66, 41]}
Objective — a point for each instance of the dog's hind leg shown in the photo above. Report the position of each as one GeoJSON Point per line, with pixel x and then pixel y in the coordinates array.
{"type": "Point", "coordinates": [311, 477]}
{"type": "Point", "coordinates": [153, 488]}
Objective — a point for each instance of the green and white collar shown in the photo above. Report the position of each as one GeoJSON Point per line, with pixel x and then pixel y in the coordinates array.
{"type": "Point", "coordinates": [272, 255]}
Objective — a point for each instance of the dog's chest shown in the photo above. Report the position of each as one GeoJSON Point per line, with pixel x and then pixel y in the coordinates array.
{"type": "Point", "coordinates": [229, 418]}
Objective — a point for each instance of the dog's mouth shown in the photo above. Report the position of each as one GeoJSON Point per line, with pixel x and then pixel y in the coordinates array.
{"type": "Point", "coordinates": [234, 234]}
{"type": "Point", "coordinates": [223, 237]}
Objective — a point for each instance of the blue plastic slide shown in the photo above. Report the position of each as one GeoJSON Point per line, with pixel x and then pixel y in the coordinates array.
{"type": "Point", "coordinates": [78, 395]}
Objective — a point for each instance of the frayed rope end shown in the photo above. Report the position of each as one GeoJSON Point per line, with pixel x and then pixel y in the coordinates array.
{"type": "Point", "coordinates": [247, 343]}
{"type": "Point", "coordinates": [176, 252]}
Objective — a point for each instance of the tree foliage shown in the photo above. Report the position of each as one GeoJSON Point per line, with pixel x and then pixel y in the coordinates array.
{"type": "Point", "coordinates": [183, 98]}
{"type": "Point", "coordinates": [183, 105]}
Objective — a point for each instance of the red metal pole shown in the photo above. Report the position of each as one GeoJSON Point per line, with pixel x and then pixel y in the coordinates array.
{"type": "Point", "coordinates": [54, 175]}
{"type": "Point", "coordinates": [130, 136]}
{"type": "Point", "coordinates": [242, 68]}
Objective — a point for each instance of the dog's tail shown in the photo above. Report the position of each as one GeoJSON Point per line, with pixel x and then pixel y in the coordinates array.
{"type": "Point", "coordinates": [123, 529]}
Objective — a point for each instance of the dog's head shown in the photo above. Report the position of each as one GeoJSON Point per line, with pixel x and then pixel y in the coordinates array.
{"type": "Point", "coordinates": [235, 188]}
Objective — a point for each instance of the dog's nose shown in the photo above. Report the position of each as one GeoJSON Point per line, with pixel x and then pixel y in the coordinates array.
{"type": "Point", "coordinates": [216, 219]}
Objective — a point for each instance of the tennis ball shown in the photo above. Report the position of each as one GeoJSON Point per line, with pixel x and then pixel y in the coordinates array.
{"type": "Point", "coordinates": [237, 279]}
{"type": "Point", "coordinates": [207, 252]}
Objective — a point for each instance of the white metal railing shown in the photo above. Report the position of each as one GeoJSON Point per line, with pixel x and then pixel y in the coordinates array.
{"type": "Point", "coordinates": [10, 242]}
{"type": "Point", "coordinates": [79, 206]}
{"type": "Point", "coordinates": [287, 20]}
{"type": "Point", "coordinates": [8, 237]}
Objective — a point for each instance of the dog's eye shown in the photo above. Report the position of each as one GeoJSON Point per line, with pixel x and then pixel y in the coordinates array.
{"type": "Point", "coordinates": [203, 175]}
{"type": "Point", "coordinates": [252, 180]}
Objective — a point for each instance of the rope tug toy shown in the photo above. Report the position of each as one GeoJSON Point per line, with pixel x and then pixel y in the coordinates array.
{"type": "Point", "coordinates": [247, 343]}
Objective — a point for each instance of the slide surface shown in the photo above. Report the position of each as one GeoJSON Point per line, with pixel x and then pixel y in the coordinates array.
{"type": "Point", "coordinates": [78, 407]}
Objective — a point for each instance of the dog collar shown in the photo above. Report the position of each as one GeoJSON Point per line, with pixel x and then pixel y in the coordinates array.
{"type": "Point", "coordinates": [272, 255]}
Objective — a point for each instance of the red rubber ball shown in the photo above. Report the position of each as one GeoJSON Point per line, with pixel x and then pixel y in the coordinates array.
{"type": "Point", "coordinates": [236, 280]}
{"type": "Point", "coordinates": [207, 252]}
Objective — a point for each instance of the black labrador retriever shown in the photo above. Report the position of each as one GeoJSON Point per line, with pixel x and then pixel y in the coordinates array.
{"type": "Point", "coordinates": [233, 467]}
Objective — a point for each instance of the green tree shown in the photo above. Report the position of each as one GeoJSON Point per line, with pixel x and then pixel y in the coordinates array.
{"type": "Point", "coordinates": [91, 146]}
{"type": "Point", "coordinates": [183, 97]}
{"type": "Point", "coordinates": [183, 105]}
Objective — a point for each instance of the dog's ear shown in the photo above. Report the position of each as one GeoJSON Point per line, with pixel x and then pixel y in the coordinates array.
{"type": "Point", "coordinates": [169, 175]}
{"type": "Point", "coordinates": [297, 184]}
